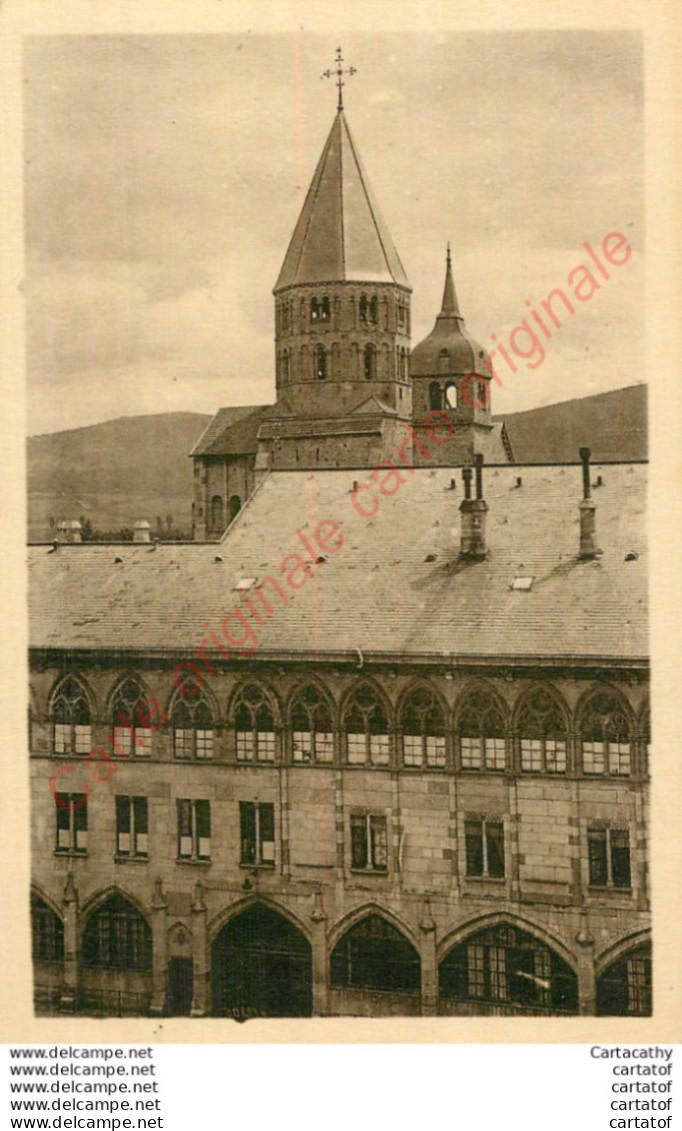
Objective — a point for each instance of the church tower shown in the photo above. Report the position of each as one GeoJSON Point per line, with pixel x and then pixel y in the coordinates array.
{"type": "Point", "coordinates": [451, 372]}
{"type": "Point", "coordinates": [342, 324]}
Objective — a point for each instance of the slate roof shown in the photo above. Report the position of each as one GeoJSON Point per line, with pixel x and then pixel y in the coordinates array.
{"type": "Point", "coordinates": [232, 431]}
{"type": "Point", "coordinates": [395, 588]}
{"type": "Point", "coordinates": [340, 235]}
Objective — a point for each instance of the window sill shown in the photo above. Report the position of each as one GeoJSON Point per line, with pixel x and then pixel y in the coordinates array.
{"type": "Point", "coordinates": [79, 853]}
{"type": "Point", "coordinates": [369, 871]}
{"type": "Point", "coordinates": [186, 861]}
{"type": "Point", "coordinates": [123, 858]}
{"type": "Point", "coordinates": [265, 867]}
{"type": "Point", "coordinates": [486, 879]}
{"type": "Point", "coordinates": [602, 889]}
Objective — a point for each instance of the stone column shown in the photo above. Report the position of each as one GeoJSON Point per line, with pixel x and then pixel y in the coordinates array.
{"type": "Point", "coordinates": [159, 950]}
{"type": "Point", "coordinates": [200, 954]}
{"type": "Point", "coordinates": [67, 1003]}
{"type": "Point", "coordinates": [587, 984]}
{"type": "Point", "coordinates": [318, 941]}
{"type": "Point", "coordinates": [429, 963]}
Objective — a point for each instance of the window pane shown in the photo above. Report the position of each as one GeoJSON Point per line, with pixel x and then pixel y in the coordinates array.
{"type": "Point", "coordinates": [302, 746]}
{"type": "Point", "coordinates": [357, 749]}
{"type": "Point", "coordinates": [379, 749]}
{"type": "Point", "coordinates": [593, 757]}
{"type": "Point", "coordinates": [62, 738]}
{"type": "Point", "coordinates": [435, 751]}
{"type": "Point", "coordinates": [203, 818]}
{"type": "Point", "coordinates": [266, 746]}
{"type": "Point", "coordinates": [182, 739]}
{"type": "Point", "coordinates": [244, 745]}
{"type": "Point", "coordinates": [596, 845]}
{"type": "Point", "coordinates": [247, 820]}
{"type": "Point", "coordinates": [620, 858]}
{"type": "Point", "coordinates": [379, 837]}
{"type": "Point", "coordinates": [358, 828]}
{"type": "Point", "coordinates": [619, 758]}
{"type": "Point", "coordinates": [474, 847]}
{"type": "Point", "coordinates": [204, 744]}
{"type": "Point", "coordinates": [143, 738]}
{"type": "Point", "coordinates": [495, 846]}
{"type": "Point", "coordinates": [324, 747]}
{"type": "Point", "coordinates": [80, 822]}
{"type": "Point", "coordinates": [83, 741]}
{"type": "Point", "coordinates": [122, 741]}
{"type": "Point", "coordinates": [140, 811]}
{"type": "Point", "coordinates": [471, 753]}
{"type": "Point", "coordinates": [555, 756]}
{"type": "Point", "coordinates": [412, 749]}
{"type": "Point", "coordinates": [495, 753]}
{"type": "Point", "coordinates": [475, 971]}
{"type": "Point", "coordinates": [531, 754]}
{"type": "Point", "coordinates": [498, 972]}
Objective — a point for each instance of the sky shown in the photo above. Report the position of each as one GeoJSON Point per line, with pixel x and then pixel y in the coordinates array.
{"type": "Point", "coordinates": [164, 176]}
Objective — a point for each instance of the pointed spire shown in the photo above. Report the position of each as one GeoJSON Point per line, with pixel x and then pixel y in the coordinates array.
{"type": "Point", "coordinates": [450, 307]}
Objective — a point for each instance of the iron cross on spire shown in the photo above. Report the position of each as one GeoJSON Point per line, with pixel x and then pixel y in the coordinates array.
{"type": "Point", "coordinates": [339, 72]}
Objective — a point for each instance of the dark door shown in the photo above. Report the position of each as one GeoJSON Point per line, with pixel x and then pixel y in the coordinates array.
{"type": "Point", "coordinates": [262, 967]}
{"type": "Point", "coordinates": [180, 987]}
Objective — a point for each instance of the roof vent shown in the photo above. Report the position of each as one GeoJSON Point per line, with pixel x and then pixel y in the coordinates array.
{"type": "Point", "coordinates": [430, 557]}
{"type": "Point", "coordinates": [519, 481]}
{"type": "Point", "coordinates": [218, 558]}
{"type": "Point", "coordinates": [117, 560]}
{"type": "Point", "coordinates": [632, 556]}
{"type": "Point", "coordinates": [142, 531]}
{"type": "Point", "coordinates": [587, 508]}
{"type": "Point", "coordinates": [70, 531]}
{"type": "Point", "coordinates": [244, 584]}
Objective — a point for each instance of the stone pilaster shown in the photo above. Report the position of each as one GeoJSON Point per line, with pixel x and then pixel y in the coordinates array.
{"type": "Point", "coordinates": [320, 964]}
{"type": "Point", "coordinates": [159, 950]}
{"type": "Point", "coordinates": [200, 954]}
{"type": "Point", "coordinates": [587, 984]}
{"type": "Point", "coordinates": [67, 1002]}
{"type": "Point", "coordinates": [429, 962]}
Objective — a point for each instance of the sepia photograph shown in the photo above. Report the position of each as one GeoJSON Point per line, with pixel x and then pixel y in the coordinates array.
{"type": "Point", "coordinates": [337, 517]}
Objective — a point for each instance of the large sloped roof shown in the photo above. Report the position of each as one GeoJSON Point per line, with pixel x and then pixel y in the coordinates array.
{"type": "Point", "coordinates": [340, 235]}
{"type": "Point", "coordinates": [232, 431]}
{"type": "Point", "coordinates": [395, 588]}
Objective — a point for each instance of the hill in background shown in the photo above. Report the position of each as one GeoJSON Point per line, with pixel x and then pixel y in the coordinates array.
{"type": "Point", "coordinates": [138, 467]}
{"type": "Point", "coordinates": [613, 425]}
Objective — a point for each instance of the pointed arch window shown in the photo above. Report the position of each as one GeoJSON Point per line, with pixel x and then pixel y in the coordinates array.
{"type": "Point", "coordinates": [605, 736]}
{"type": "Point", "coordinates": [542, 731]}
{"type": "Point", "coordinates": [366, 729]}
{"type": "Point", "coordinates": [374, 955]}
{"type": "Point", "coordinates": [422, 729]}
{"type": "Point", "coordinates": [482, 733]}
{"type": "Point", "coordinates": [311, 726]}
{"type": "Point", "coordinates": [254, 725]}
{"type": "Point", "coordinates": [72, 733]}
{"type": "Point", "coordinates": [192, 724]}
{"type": "Point", "coordinates": [47, 932]}
{"type": "Point", "coordinates": [320, 363]}
{"type": "Point", "coordinates": [506, 965]}
{"type": "Point", "coordinates": [117, 937]}
{"type": "Point", "coordinates": [131, 718]}
{"type": "Point", "coordinates": [435, 398]}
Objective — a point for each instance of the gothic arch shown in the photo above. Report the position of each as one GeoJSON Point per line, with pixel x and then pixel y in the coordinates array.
{"type": "Point", "coordinates": [324, 693]}
{"type": "Point", "coordinates": [119, 683]}
{"type": "Point", "coordinates": [362, 911]}
{"type": "Point", "coordinates": [83, 686]}
{"type": "Point", "coordinates": [225, 916]}
{"type": "Point", "coordinates": [40, 893]}
{"type": "Point", "coordinates": [461, 933]}
{"type": "Point", "coordinates": [205, 692]}
{"type": "Point", "coordinates": [270, 695]}
{"type": "Point", "coordinates": [95, 901]}
{"type": "Point", "coordinates": [552, 692]}
{"type": "Point", "coordinates": [603, 689]}
{"type": "Point", "coordinates": [384, 701]}
{"type": "Point", "coordinates": [483, 687]}
{"type": "Point", "coordinates": [416, 684]}
{"type": "Point", "coordinates": [620, 949]}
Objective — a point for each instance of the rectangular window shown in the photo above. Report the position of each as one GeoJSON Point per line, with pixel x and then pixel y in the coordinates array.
{"type": "Point", "coordinates": [593, 757]}
{"type": "Point", "coordinates": [609, 857]}
{"type": "Point", "coordinates": [484, 840]}
{"type": "Point", "coordinates": [435, 751]}
{"type": "Point", "coordinates": [531, 755]}
{"type": "Point", "coordinates": [475, 970]}
{"type": "Point", "coordinates": [72, 822]}
{"type": "Point", "coordinates": [302, 746]}
{"type": "Point", "coordinates": [324, 747]}
{"type": "Point", "coordinates": [131, 826]}
{"type": "Point", "coordinates": [471, 753]}
{"type": "Point", "coordinates": [369, 842]}
{"type": "Point", "coordinates": [244, 745]}
{"type": "Point", "coordinates": [495, 753]}
{"type": "Point", "coordinates": [357, 749]}
{"type": "Point", "coordinates": [619, 758]}
{"type": "Point", "coordinates": [257, 831]}
{"type": "Point", "coordinates": [72, 739]}
{"type": "Point", "coordinates": [412, 749]}
{"type": "Point", "coordinates": [194, 830]}
{"type": "Point", "coordinates": [379, 749]}
{"type": "Point", "coordinates": [266, 745]}
{"type": "Point", "coordinates": [555, 756]}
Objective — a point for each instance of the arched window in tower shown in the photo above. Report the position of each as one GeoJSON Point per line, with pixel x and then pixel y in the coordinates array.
{"type": "Point", "coordinates": [542, 731]}
{"type": "Point", "coordinates": [311, 726]}
{"type": "Point", "coordinates": [366, 729]}
{"type": "Point", "coordinates": [435, 400]}
{"type": "Point", "coordinates": [363, 309]}
{"type": "Point", "coordinates": [482, 732]}
{"type": "Point", "coordinates": [325, 310]}
{"type": "Point", "coordinates": [605, 736]}
{"type": "Point", "coordinates": [369, 362]}
{"type": "Point", "coordinates": [451, 395]}
{"type": "Point", "coordinates": [235, 506]}
{"type": "Point", "coordinates": [216, 515]}
{"type": "Point", "coordinates": [373, 310]}
{"type": "Point", "coordinates": [254, 725]}
{"type": "Point", "coordinates": [320, 363]}
{"type": "Point", "coordinates": [314, 310]}
{"type": "Point", "coordinates": [422, 726]}
{"type": "Point", "coordinates": [71, 719]}
{"type": "Point", "coordinates": [401, 315]}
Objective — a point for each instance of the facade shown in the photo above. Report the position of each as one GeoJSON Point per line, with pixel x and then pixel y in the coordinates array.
{"type": "Point", "coordinates": [380, 748]}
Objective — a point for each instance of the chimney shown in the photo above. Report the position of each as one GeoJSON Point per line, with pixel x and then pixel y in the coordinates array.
{"type": "Point", "coordinates": [587, 508]}
{"type": "Point", "coordinates": [142, 531]}
{"type": "Point", "coordinates": [473, 512]}
{"type": "Point", "coordinates": [70, 531]}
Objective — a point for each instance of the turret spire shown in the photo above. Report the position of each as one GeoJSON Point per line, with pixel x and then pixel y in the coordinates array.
{"type": "Point", "coordinates": [339, 72]}
{"type": "Point", "coordinates": [449, 306]}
